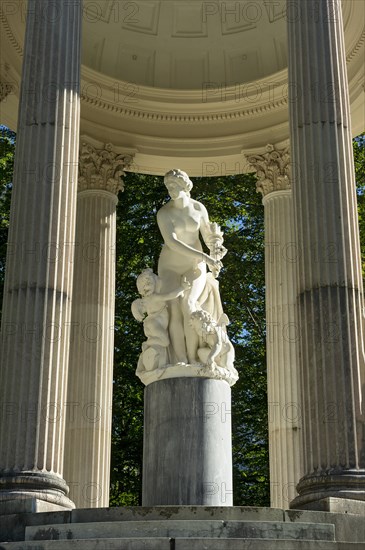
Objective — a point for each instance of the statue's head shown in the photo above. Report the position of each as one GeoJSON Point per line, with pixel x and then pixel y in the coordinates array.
{"type": "Point", "coordinates": [202, 321]}
{"type": "Point", "coordinates": [178, 177]}
{"type": "Point", "coordinates": [146, 282]}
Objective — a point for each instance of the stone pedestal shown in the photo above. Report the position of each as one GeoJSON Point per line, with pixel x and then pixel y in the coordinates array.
{"type": "Point", "coordinates": [89, 418]}
{"type": "Point", "coordinates": [281, 257]}
{"type": "Point", "coordinates": [187, 456]}
{"type": "Point", "coordinates": [330, 287]}
{"type": "Point", "coordinates": [38, 287]}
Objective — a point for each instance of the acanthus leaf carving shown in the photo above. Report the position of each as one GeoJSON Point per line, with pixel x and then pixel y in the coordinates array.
{"type": "Point", "coordinates": [102, 168]}
{"type": "Point", "coordinates": [273, 169]}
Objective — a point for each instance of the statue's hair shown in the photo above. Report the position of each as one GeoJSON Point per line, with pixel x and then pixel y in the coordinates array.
{"type": "Point", "coordinates": [172, 175]}
{"type": "Point", "coordinates": [142, 277]}
{"type": "Point", "coordinates": [202, 315]}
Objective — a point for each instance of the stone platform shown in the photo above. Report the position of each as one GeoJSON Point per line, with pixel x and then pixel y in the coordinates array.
{"type": "Point", "coordinates": [183, 528]}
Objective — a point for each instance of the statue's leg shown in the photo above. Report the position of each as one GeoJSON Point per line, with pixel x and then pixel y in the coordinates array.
{"type": "Point", "coordinates": [169, 281]}
{"type": "Point", "coordinates": [192, 341]}
{"type": "Point", "coordinates": [176, 332]}
{"type": "Point", "coordinates": [189, 304]}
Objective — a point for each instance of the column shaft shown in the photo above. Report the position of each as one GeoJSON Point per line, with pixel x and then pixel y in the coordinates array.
{"type": "Point", "coordinates": [89, 418]}
{"type": "Point", "coordinates": [88, 433]}
{"type": "Point", "coordinates": [38, 286]}
{"type": "Point", "coordinates": [330, 291]}
{"type": "Point", "coordinates": [281, 258]}
{"type": "Point", "coordinates": [282, 348]}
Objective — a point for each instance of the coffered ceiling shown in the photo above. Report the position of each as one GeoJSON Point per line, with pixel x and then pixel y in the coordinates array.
{"type": "Point", "coordinates": [182, 44]}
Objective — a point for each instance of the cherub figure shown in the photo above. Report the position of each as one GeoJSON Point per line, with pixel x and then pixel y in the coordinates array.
{"type": "Point", "coordinates": [215, 349]}
{"type": "Point", "coordinates": [152, 310]}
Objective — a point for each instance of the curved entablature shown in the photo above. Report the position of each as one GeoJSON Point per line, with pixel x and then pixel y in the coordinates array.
{"type": "Point", "coordinates": [164, 111]}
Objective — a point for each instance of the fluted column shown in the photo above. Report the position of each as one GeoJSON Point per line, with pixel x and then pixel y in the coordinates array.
{"type": "Point", "coordinates": [38, 286]}
{"type": "Point", "coordinates": [281, 256]}
{"type": "Point", "coordinates": [88, 429]}
{"type": "Point", "coordinates": [330, 287]}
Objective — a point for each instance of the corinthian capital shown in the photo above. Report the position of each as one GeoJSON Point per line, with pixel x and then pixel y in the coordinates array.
{"type": "Point", "coordinates": [102, 168]}
{"type": "Point", "coordinates": [273, 169]}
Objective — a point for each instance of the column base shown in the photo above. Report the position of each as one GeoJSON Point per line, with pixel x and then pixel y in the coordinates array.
{"type": "Point", "coordinates": [337, 506]}
{"type": "Point", "coordinates": [314, 489]}
{"type": "Point", "coordinates": [42, 491]}
{"type": "Point", "coordinates": [187, 454]}
{"type": "Point", "coordinates": [31, 505]}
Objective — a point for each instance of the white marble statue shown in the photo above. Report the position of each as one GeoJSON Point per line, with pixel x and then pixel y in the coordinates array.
{"type": "Point", "coordinates": [185, 324]}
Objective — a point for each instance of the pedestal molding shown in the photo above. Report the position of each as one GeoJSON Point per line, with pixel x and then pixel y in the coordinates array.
{"type": "Point", "coordinates": [188, 371]}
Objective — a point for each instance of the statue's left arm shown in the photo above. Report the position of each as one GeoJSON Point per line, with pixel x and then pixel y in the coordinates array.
{"type": "Point", "coordinates": [204, 223]}
{"type": "Point", "coordinates": [213, 238]}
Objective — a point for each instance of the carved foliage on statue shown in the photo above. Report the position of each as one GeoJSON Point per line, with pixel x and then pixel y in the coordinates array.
{"type": "Point", "coordinates": [102, 168]}
{"type": "Point", "coordinates": [214, 241]}
{"type": "Point", "coordinates": [181, 308]}
{"type": "Point", "coordinates": [273, 169]}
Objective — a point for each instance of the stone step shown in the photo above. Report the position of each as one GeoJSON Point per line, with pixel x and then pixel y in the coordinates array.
{"type": "Point", "coordinates": [183, 529]}
{"type": "Point", "coordinates": [180, 544]}
{"type": "Point", "coordinates": [191, 513]}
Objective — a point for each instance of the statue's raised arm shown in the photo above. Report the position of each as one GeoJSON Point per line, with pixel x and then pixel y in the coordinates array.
{"type": "Point", "coordinates": [182, 221]}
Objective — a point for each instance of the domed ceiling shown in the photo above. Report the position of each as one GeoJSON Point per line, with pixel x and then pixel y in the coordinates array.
{"type": "Point", "coordinates": [183, 44]}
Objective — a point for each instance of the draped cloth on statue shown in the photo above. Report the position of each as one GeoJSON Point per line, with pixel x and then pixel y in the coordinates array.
{"type": "Point", "coordinates": [210, 300]}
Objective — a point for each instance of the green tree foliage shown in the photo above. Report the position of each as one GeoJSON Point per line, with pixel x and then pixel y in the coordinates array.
{"type": "Point", "coordinates": [359, 158]}
{"type": "Point", "coordinates": [138, 242]}
{"type": "Point", "coordinates": [7, 149]}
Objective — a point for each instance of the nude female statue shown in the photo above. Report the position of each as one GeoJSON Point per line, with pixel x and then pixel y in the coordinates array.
{"type": "Point", "coordinates": [181, 308]}
{"type": "Point", "coordinates": [181, 221]}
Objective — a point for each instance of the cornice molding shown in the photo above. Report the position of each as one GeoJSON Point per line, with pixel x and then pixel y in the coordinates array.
{"type": "Point", "coordinates": [360, 42]}
{"type": "Point", "coordinates": [10, 34]}
{"type": "Point", "coordinates": [198, 130]}
{"type": "Point", "coordinates": [186, 106]}
{"type": "Point", "coordinates": [187, 118]}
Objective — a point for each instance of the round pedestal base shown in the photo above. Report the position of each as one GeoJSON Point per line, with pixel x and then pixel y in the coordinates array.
{"type": "Point", "coordinates": [187, 457]}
